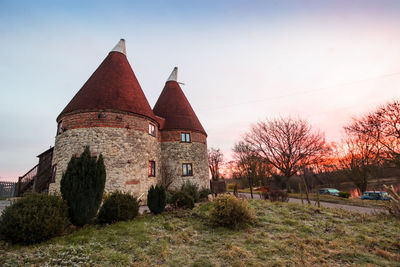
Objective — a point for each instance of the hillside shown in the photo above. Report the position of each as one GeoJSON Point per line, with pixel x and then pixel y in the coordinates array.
{"type": "Point", "coordinates": [285, 234]}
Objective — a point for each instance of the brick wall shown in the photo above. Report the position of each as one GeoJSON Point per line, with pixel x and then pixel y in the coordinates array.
{"type": "Point", "coordinates": [107, 119]}
{"type": "Point", "coordinates": [175, 135]}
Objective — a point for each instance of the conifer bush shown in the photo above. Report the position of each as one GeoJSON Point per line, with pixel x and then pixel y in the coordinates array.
{"type": "Point", "coordinates": [82, 186]}
{"type": "Point", "coordinates": [227, 210]}
{"type": "Point", "coordinates": [156, 199]}
{"type": "Point", "coordinates": [33, 219]}
{"type": "Point", "coordinates": [183, 200]}
{"type": "Point", "coordinates": [118, 207]}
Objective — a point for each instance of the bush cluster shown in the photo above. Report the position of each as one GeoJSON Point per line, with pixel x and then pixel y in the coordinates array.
{"type": "Point", "coordinates": [33, 219]}
{"type": "Point", "coordinates": [118, 207]}
{"type": "Point", "coordinates": [344, 194]}
{"type": "Point", "coordinates": [192, 190]}
{"type": "Point", "coordinates": [203, 193]}
{"type": "Point", "coordinates": [156, 199]}
{"type": "Point", "coordinates": [183, 200]}
{"type": "Point", "coordinates": [227, 210]}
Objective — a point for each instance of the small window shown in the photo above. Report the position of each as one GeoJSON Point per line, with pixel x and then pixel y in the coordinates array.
{"type": "Point", "coordinates": [152, 129]}
{"type": "Point", "coordinates": [185, 137]}
{"type": "Point", "coordinates": [152, 168]}
{"type": "Point", "coordinates": [187, 169]}
{"type": "Point", "coordinates": [53, 174]}
{"type": "Point", "coordinates": [59, 128]}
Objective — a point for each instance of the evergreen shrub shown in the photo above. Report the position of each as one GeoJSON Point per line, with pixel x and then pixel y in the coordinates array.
{"type": "Point", "coordinates": [156, 199]}
{"type": "Point", "coordinates": [192, 189]}
{"type": "Point", "coordinates": [182, 199]}
{"type": "Point", "coordinates": [118, 207]}
{"type": "Point", "coordinates": [227, 210]}
{"type": "Point", "coordinates": [33, 219]}
{"type": "Point", "coordinates": [82, 186]}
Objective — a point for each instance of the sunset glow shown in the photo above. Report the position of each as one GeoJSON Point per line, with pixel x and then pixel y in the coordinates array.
{"type": "Point", "coordinates": [324, 61]}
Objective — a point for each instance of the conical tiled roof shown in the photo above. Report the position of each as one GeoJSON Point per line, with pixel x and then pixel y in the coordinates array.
{"type": "Point", "coordinates": [113, 86]}
{"type": "Point", "coordinates": [173, 106]}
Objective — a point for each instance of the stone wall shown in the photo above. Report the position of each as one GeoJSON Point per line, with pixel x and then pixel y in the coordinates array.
{"type": "Point", "coordinates": [174, 154]}
{"type": "Point", "coordinates": [126, 153]}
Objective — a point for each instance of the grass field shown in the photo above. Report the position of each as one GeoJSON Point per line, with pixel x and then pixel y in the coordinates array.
{"type": "Point", "coordinates": [332, 199]}
{"type": "Point", "coordinates": [285, 234]}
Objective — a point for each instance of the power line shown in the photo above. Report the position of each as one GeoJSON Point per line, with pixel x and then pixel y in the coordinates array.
{"type": "Point", "coordinates": [303, 92]}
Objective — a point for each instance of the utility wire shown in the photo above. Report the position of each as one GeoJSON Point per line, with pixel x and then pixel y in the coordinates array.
{"type": "Point", "coordinates": [303, 92]}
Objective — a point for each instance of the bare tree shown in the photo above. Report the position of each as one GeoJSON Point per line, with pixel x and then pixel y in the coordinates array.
{"type": "Point", "coordinates": [361, 150]}
{"type": "Point", "coordinates": [383, 125]}
{"type": "Point", "coordinates": [287, 144]}
{"type": "Point", "coordinates": [167, 176]}
{"type": "Point", "coordinates": [215, 159]}
{"type": "Point", "coordinates": [249, 163]}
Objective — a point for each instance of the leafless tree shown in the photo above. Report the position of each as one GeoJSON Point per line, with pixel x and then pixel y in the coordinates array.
{"type": "Point", "coordinates": [167, 176]}
{"type": "Point", "coordinates": [287, 144]}
{"type": "Point", "coordinates": [361, 150]}
{"type": "Point", "coordinates": [215, 160]}
{"type": "Point", "coordinates": [246, 162]}
{"type": "Point", "coordinates": [382, 125]}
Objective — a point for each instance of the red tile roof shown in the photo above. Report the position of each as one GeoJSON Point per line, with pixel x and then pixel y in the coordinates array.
{"type": "Point", "coordinates": [175, 108]}
{"type": "Point", "coordinates": [113, 86]}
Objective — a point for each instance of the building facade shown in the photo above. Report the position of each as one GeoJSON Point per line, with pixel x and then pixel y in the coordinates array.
{"type": "Point", "coordinates": [140, 146]}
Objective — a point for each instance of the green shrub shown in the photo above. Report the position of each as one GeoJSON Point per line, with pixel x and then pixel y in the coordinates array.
{"type": "Point", "coordinates": [344, 194]}
{"type": "Point", "coordinates": [33, 219]}
{"type": "Point", "coordinates": [82, 186]}
{"type": "Point", "coordinates": [227, 210]}
{"type": "Point", "coordinates": [192, 189]}
{"type": "Point", "coordinates": [118, 207]}
{"type": "Point", "coordinates": [169, 195]}
{"type": "Point", "coordinates": [203, 193]}
{"type": "Point", "coordinates": [156, 199]}
{"type": "Point", "coordinates": [181, 199]}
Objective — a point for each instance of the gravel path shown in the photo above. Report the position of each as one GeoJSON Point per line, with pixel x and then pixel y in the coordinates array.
{"type": "Point", "coordinates": [329, 205]}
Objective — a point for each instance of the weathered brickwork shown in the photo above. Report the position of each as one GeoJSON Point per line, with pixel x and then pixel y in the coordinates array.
{"type": "Point", "coordinates": [126, 154]}
{"type": "Point", "coordinates": [175, 135]}
{"type": "Point", "coordinates": [174, 154]}
{"type": "Point", "coordinates": [106, 119]}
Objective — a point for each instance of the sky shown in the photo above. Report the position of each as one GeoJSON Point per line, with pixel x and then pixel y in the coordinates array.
{"type": "Point", "coordinates": [241, 62]}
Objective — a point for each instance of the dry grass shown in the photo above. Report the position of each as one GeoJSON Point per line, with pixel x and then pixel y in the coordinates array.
{"type": "Point", "coordinates": [346, 201]}
{"type": "Point", "coordinates": [285, 234]}
{"type": "Point", "coordinates": [332, 199]}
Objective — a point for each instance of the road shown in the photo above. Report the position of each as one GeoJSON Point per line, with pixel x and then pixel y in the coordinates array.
{"type": "Point", "coordinates": [329, 205]}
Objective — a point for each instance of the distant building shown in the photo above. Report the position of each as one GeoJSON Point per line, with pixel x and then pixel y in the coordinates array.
{"type": "Point", "coordinates": [111, 114]}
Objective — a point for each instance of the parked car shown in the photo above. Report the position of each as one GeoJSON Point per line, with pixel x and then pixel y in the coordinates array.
{"type": "Point", "coordinates": [328, 191]}
{"type": "Point", "coordinates": [375, 195]}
